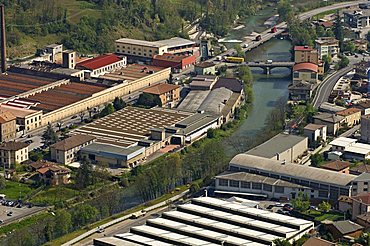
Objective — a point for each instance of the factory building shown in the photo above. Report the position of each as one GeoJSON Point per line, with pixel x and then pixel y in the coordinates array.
{"type": "Point", "coordinates": [211, 221]}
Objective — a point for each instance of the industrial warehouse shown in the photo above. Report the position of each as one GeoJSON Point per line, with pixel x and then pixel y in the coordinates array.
{"type": "Point", "coordinates": [211, 221]}
{"type": "Point", "coordinates": [127, 137]}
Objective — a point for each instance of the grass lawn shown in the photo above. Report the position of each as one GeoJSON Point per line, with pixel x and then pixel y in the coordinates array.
{"type": "Point", "coordinates": [53, 195]}
{"type": "Point", "coordinates": [14, 190]}
{"type": "Point", "coordinates": [333, 216]}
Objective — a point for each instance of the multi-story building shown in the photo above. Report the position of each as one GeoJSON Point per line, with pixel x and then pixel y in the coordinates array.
{"type": "Point", "coordinates": [69, 59]}
{"type": "Point", "coordinates": [305, 54]}
{"type": "Point", "coordinates": [7, 126]}
{"type": "Point", "coordinates": [167, 93]}
{"type": "Point", "coordinates": [12, 153]}
{"type": "Point", "coordinates": [315, 182]}
{"type": "Point", "coordinates": [352, 116]}
{"type": "Point", "coordinates": [147, 49]}
{"type": "Point", "coordinates": [205, 68]}
{"type": "Point", "coordinates": [365, 128]}
{"type": "Point", "coordinates": [176, 62]}
{"type": "Point", "coordinates": [102, 64]}
{"type": "Point", "coordinates": [55, 51]}
{"type": "Point", "coordinates": [65, 151]}
{"type": "Point", "coordinates": [327, 46]}
{"type": "Point", "coordinates": [358, 18]}
{"type": "Point", "coordinates": [315, 133]}
{"type": "Point", "coordinates": [332, 121]}
{"type": "Point", "coordinates": [306, 72]}
{"type": "Point", "coordinates": [26, 119]}
{"type": "Point", "coordinates": [300, 90]}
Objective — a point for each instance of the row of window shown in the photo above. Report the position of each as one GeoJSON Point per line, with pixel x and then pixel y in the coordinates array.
{"type": "Point", "coordinates": [250, 185]}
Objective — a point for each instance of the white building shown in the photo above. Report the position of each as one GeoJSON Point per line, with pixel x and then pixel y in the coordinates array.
{"type": "Point", "coordinates": [65, 151]}
{"type": "Point", "coordinates": [327, 46]}
{"type": "Point", "coordinates": [12, 153]}
{"type": "Point", "coordinates": [351, 149]}
{"type": "Point", "coordinates": [315, 133]}
{"type": "Point", "coordinates": [101, 65]}
{"type": "Point", "coordinates": [209, 221]}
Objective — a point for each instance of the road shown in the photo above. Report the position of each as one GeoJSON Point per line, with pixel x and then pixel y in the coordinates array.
{"type": "Point", "coordinates": [267, 35]}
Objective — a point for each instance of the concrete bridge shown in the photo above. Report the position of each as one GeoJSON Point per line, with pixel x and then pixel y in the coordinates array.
{"type": "Point", "coordinates": [266, 66]}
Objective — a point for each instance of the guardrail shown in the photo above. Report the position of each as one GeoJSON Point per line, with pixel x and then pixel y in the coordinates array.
{"type": "Point", "coordinates": [158, 205]}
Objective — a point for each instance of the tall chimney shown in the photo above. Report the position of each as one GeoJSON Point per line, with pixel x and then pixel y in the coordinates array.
{"type": "Point", "coordinates": [3, 40]}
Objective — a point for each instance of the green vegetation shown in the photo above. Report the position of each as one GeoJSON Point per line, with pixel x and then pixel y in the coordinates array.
{"type": "Point", "coordinates": [301, 203]}
{"type": "Point", "coordinates": [15, 190]}
{"type": "Point", "coordinates": [54, 195]}
{"type": "Point", "coordinates": [148, 100]}
{"type": "Point", "coordinates": [320, 216]}
{"type": "Point", "coordinates": [316, 160]}
{"type": "Point", "coordinates": [325, 207]}
{"type": "Point", "coordinates": [49, 136]}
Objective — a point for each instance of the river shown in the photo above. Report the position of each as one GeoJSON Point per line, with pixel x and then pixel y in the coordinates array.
{"type": "Point", "coordinates": [267, 90]}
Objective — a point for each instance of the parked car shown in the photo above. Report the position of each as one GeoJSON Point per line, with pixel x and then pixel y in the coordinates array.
{"type": "Point", "coordinates": [287, 207]}
{"type": "Point", "coordinates": [10, 213]}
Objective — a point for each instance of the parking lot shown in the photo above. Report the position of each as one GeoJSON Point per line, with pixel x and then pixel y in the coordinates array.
{"type": "Point", "coordinates": [16, 212]}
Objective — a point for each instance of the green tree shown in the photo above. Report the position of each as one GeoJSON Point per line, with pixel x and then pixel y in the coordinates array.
{"type": "Point", "coordinates": [49, 136]}
{"type": "Point", "coordinates": [344, 61]}
{"type": "Point", "coordinates": [239, 50]}
{"type": "Point", "coordinates": [2, 182]}
{"type": "Point", "coordinates": [149, 100]}
{"type": "Point", "coordinates": [84, 214]}
{"type": "Point", "coordinates": [338, 30]}
{"type": "Point", "coordinates": [85, 175]}
{"type": "Point", "coordinates": [316, 159]}
{"type": "Point", "coordinates": [211, 133]}
{"type": "Point", "coordinates": [63, 222]}
{"type": "Point", "coordinates": [108, 109]}
{"type": "Point", "coordinates": [281, 242]}
{"type": "Point", "coordinates": [327, 60]}
{"type": "Point", "coordinates": [350, 47]}
{"type": "Point", "coordinates": [118, 103]}
{"type": "Point", "coordinates": [301, 203]}
{"type": "Point", "coordinates": [285, 10]}
{"type": "Point", "coordinates": [325, 206]}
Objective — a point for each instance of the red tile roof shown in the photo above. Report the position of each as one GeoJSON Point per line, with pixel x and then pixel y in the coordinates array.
{"type": "Point", "coordinates": [6, 116]}
{"type": "Point", "coordinates": [327, 24]}
{"type": "Point", "coordinates": [160, 89]}
{"type": "Point", "coordinates": [363, 197]}
{"type": "Point", "coordinates": [348, 111]}
{"type": "Point", "coordinates": [305, 66]}
{"type": "Point", "coordinates": [303, 48]}
{"type": "Point", "coordinates": [170, 57]}
{"type": "Point", "coordinates": [336, 165]}
{"type": "Point", "coordinates": [99, 62]}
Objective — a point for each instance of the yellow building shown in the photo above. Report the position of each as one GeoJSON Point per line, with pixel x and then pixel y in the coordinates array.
{"type": "Point", "coordinates": [305, 54]}
{"type": "Point", "coordinates": [26, 119]}
{"type": "Point", "coordinates": [7, 126]}
{"type": "Point", "coordinates": [305, 72]}
{"type": "Point", "coordinates": [167, 93]}
{"type": "Point", "coordinates": [352, 116]}
{"type": "Point", "coordinates": [12, 153]}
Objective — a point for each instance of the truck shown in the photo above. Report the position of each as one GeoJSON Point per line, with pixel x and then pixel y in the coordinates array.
{"type": "Point", "coordinates": [138, 214]}
{"type": "Point", "coordinates": [273, 30]}
{"type": "Point", "coordinates": [258, 38]}
{"type": "Point", "coordinates": [234, 59]}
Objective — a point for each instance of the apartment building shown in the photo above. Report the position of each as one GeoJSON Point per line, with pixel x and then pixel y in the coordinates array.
{"type": "Point", "coordinates": [352, 116]}
{"type": "Point", "coordinates": [305, 54]}
{"type": "Point", "coordinates": [365, 128]}
{"type": "Point", "coordinates": [315, 133]}
{"type": "Point", "coordinates": [357, 18]}
{"type": "Point", "coordinates": [167, 93]}
{"type": "Point", "coordinates": [12, 153]}
{"type": "Point", "coordinates": [306, 72]}
{"type": "Point", "coordinates": [7, 126]}
{"type": "Point", "coordinates": [327, 46]}
{"type": "Point", "coordinates": [65, 151]}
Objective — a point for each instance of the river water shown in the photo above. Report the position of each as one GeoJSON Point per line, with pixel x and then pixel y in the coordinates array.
{"type": "Point", "coordinates": [267, 90]}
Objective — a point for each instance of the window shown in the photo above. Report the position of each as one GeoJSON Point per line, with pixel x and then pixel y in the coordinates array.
{"type": "Point", "coordinates": [267, 187]}
{"type": "Point", "coordinates": [234, 183]}
{"type": "Point", "coordinates": [223, 182]}
{"type": "Point", "coordinates": [323, 193]}
{"type": "Point", "coordinates": [313, 76]}
{"type": "Point", "coordinates": [296, 75]}
{"type": "Point", "coordinates": [245, 185]}
{"type": "Point", "coordinates": [279, 189]}
{"type": "Point", "coordinates": [256, 186]}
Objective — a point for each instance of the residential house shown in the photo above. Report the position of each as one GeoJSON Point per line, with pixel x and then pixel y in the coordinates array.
{"type": "Point", "coordinates": [363, 220]}
{"type": "Point", "coordinates": [330, 108]}
{"type": "Point", "coordinates": [337, 166]}
{"type": "Point", "coordinates": [352, 116]}
{"type": "Point", "coordinates": [305, 71]}
{"type": "Point", "coordinates": [364, 106]}
{"type": "Point", "coordinates": [346, 228]}
{"type": "Point", "coordinates": [102, 64]}
{"type": "Point", "coordinates": [314, 241]}
{"type": "Point", "coordinates": [359, 169]}
{"type": "Point", "coordinates": [315, 133]}
{"type": "Point", "coordinates": [26, 119]}
{"type": "Point", "coordinates": [355, 205]}
{"type": "Point", "coordinates": [305, 54]}
{"type": "Point", "coordinates": [332, 121]}
{"type": "Point", "coordinates": [167, 93]}
{"type": "Point", "coordinates": [205, 68]}
{"type": "Point", "coordinates": [51, 173]}
{"type": "Point", "coordinates": [7, 126]}
{"type": "Point", "coordinates": [365, 128]}
{"type": "Point", "coordinates": [357, 18]}
{"type": "Point", "coordinates": [300, 90]}
{"type": "Point", "coordinates": [362, 69]}
{"type": "Point", "coordinates": [12, 153]}
{"type": "Point", "coordinates": [360, 44]}
{"type": "Point", "coordinates": [327, 46]}
{"type": "Point", "coordinates": [65, 151]}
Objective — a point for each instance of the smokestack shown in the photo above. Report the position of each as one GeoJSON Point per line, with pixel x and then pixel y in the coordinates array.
{"type": "Point", "coordinates": [3, 39]}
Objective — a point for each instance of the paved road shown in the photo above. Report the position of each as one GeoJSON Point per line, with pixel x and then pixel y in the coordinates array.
{"type": "Point", "coordinates": [327, 85]}
{"type": "Point", "coordinates": [267, 35]}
